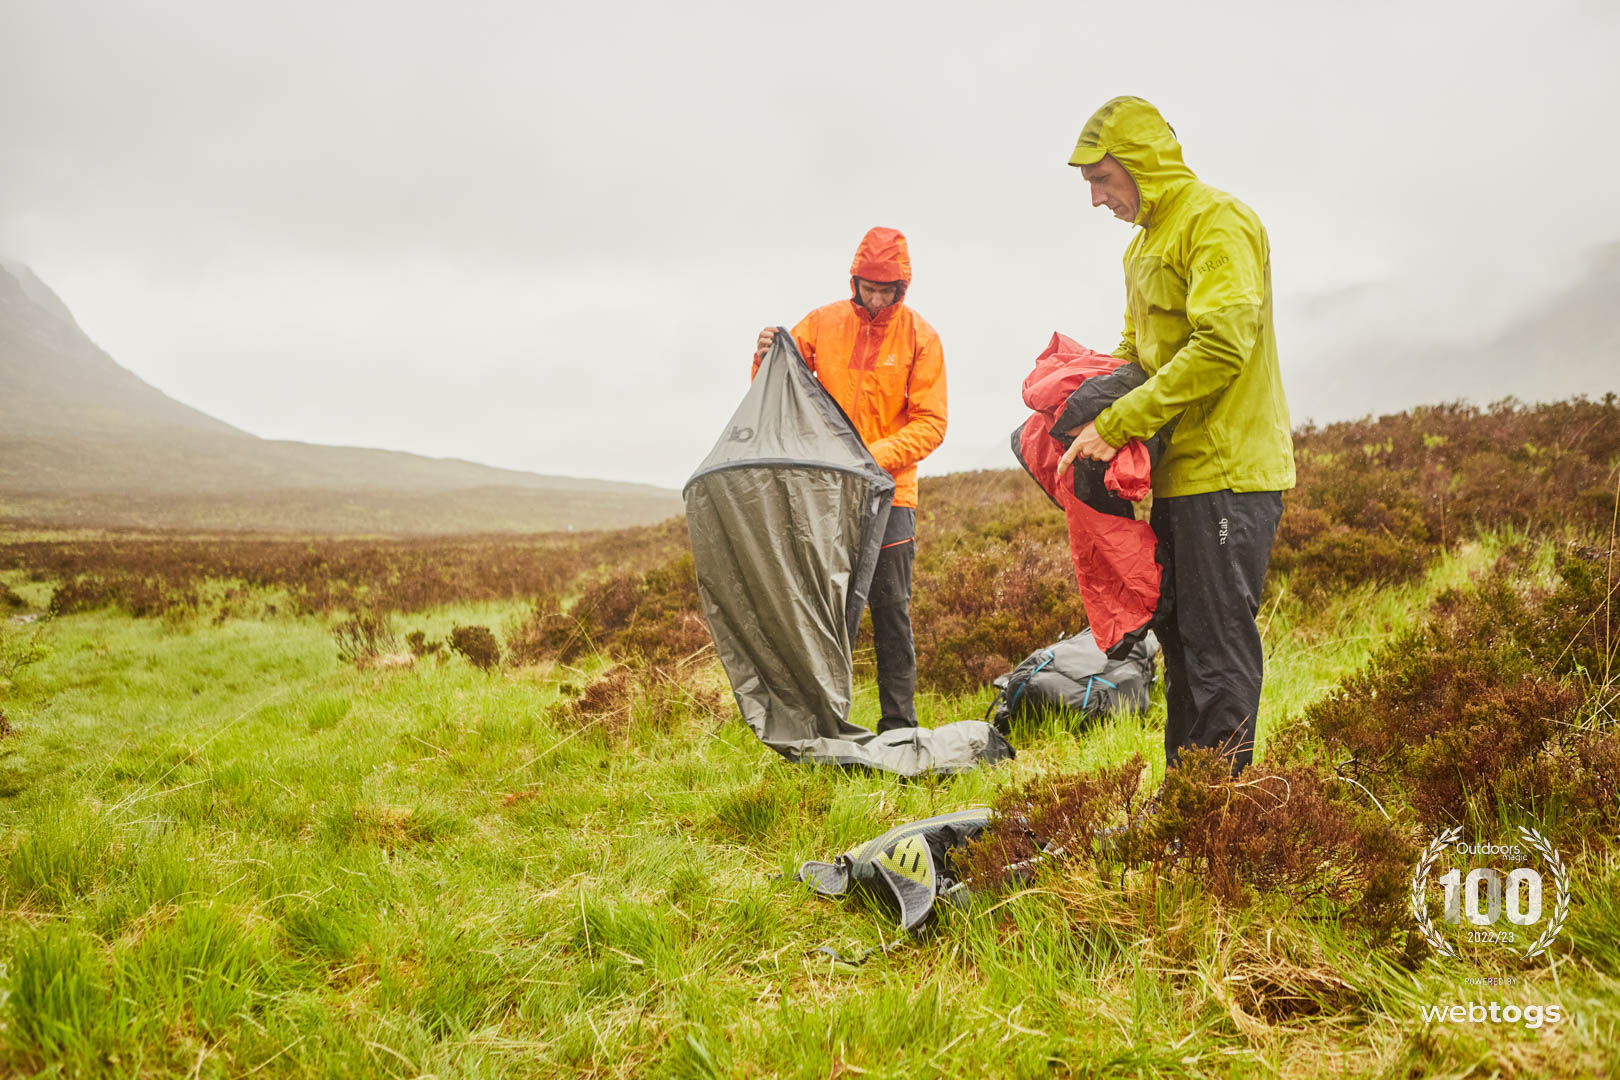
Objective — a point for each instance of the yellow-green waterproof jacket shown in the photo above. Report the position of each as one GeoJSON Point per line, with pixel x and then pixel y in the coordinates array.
{"type": "Point", "coordinates": [1197, 318]}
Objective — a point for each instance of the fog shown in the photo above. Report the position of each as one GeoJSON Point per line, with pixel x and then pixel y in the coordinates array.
{"type": "Point", "coordinates": [544, 237]}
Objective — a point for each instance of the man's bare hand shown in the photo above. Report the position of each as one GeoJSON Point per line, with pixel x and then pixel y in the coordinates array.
{"type": "Point", "coordinates": [766, 336]}
{"type": "Point", "coordinates": [1087, 444]}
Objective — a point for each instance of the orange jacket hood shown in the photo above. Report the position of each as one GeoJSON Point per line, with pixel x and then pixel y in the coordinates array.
{"type": "Point", "coordinates": [882, 256]}
{"type": "Point", "coordinates": [886, 371]}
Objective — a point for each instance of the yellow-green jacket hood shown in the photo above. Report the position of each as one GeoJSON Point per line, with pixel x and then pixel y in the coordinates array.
{"type": "Point", "coordinates": [1133, 132]}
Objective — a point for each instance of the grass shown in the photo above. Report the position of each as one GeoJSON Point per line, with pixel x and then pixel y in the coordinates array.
{"type": "Point", "coordinates": [227, 854]}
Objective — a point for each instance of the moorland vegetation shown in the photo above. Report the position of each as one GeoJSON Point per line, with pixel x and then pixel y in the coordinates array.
{"type": "Point", "coordinates": [475, 805]}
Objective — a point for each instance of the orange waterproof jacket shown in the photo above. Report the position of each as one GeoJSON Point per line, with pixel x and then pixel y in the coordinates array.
{"type": "Point", "coordinates": [887, 371]}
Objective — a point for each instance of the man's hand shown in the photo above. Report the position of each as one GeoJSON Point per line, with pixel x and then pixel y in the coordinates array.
{"type": "Point", "coordinates": [763, 345]}
{"type": "Point", "coordinates": [1087, 444]}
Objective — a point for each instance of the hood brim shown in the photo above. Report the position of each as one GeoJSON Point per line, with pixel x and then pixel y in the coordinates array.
{"type": "Point", "coordinates": [1087, 155]}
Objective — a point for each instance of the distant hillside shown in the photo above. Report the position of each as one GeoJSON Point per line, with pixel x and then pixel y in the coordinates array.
{"type": "Point", "coordinates": [57, 386]}
{"type": "Point", "coordinates": [1385, 347]}
{"type": "Point", "coordinates": [86, 441]}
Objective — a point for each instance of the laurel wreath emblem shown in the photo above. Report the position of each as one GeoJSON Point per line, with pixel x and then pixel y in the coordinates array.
{"type": "Point", "coordinates": [1533, 839]}
{"type": "Point", "coordinates": [1543, 847]}
{"type": "Point", "coordinates": [1420, 890]}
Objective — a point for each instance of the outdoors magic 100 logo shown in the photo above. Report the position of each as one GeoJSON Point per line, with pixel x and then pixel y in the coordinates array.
{"type": "Point", "coordinates": [1488, 896]}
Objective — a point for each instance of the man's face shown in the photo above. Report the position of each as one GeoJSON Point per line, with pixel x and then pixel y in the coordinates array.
{"type": "Point", "coordinates": [874, 296]}
{"type": "Point", "coordinates": [1113, 186]}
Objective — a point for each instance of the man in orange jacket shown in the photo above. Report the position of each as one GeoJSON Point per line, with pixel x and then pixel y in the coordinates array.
{"type": "Point", "coordinates": [884, 365]}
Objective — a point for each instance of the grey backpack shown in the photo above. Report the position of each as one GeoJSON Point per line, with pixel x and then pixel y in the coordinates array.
{"type": "Point", "coordinates": [910, 864]}
{"type": "Point", "coordinates": [1076, 676]}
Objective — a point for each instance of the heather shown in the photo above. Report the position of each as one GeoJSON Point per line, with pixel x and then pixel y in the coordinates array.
{"type": "Point", "coordinates": [481, 805]}
{"type": "Point", "coordinates": [1377, 501]}
{"type": "Point", "coordinates": [1502, 701]}
{"type": "Point", "coordinates": [1378, 498]}
{"type": "Point", "coordinates": [150, 575]}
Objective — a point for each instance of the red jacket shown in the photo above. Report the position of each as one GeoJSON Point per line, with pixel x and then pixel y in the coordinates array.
{"type": "Point", "coordinates": [1114, 561]}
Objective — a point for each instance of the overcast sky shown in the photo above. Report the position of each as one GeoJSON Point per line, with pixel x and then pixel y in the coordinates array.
{"type": "Point", "coordinates": [544, 235]}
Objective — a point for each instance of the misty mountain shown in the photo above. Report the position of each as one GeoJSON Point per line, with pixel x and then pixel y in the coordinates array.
{"type": "Point", "coordinates": [55, 383]}
{"type": "Point", "coordinates": [85, 440]}
{"type": "Point", "coordinates": [1385, 347]}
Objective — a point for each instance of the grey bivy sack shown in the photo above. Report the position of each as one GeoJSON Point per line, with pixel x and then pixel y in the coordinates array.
{"type": "Point", "coordinates": [786, 515]}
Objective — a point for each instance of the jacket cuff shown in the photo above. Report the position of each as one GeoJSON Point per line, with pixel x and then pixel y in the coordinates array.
{"type": "Point", "coordinates": [1110, 427]}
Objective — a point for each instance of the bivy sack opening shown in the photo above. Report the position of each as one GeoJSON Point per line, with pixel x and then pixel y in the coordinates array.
{"type": "Point", "coordinates": [786, 515]}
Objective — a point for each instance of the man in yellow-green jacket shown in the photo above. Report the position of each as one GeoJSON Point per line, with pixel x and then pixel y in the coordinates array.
{"type": "Point", "coordinates": [1198, 322]}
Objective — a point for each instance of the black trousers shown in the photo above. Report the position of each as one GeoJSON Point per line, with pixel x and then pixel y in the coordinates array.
{"type": "Point", "coordinates": [1215, 548]}
{"type": "Point", "coordinates": [890, 604]}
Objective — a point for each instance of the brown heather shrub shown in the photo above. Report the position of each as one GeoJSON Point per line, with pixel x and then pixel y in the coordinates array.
{"type": "Point", "coordinates": [977, 612]}
{"type": "Point", "coordinates": [1341, 557]}
{"type": "Point", "coordinates": [417, 641]}
{"type": "Point", "coordinates": [146, 576]}
{"type": "Point", "coordinates": [541, 635]}
{"type": "Point", "coordinates": [1378, 498]}
{"type": "Point", "coordinates": [79, 594]}
{"type": "Point", "coordinates": [1298, 526]}
{"type": "Point", "coordinates": [364, 637]}
{"type": "Point", "coordinates": [1350, 522]}
{"type": "Point", "coordinates": [1370, 497]}
{"type": "Point", "coordinates": [1054, 818]}
{"type": "Point", "coordinates": [1291, 831]}
{"type": "Point", "coordinates": [1535, 466]}
{"type": "Point", "coordinates": [9, 600]}
{"type": "Point", "coordinates": [1597, 757]}
{"type": "Point", "coordinates": [607, 702]}
{"type": "Point", "coordinates": [971, 508]}
{"type": "Point", "coordinates": [478, 645]}
{"type": "Point", "coordinates": [1500, 704]}
{"type": "Point", "coordinates": [652, 614]}
{"type": "Point", "coordinates": [653, 698]}
{"type": "Point", "coordinates": [140, 597]}
{"type": "Point", "coordinates": [1577, 626]}
{"type": "Point", "coordinates": [18, 649]}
